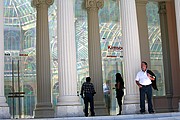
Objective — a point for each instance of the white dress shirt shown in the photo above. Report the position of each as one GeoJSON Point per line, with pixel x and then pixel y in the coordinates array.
{"type": "Point", "coordinates": [143, 78]}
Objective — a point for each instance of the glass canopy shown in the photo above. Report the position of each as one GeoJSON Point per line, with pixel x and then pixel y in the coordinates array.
{"type": "Point", "coordinates": [20, 38]}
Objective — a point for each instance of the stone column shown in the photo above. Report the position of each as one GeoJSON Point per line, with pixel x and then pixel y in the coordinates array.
{"type": "Point", "coordinates": [4, 109]}
{"type": "Point", "coordinates": [44, 108]}
{"type": "Point", "coordinates": [94, 54]}
{"type": "Point", "coordinates": [166, 53]}
{"type": "Point", "coordinates": [143, 30]}
{"type": "Point", "coordinates": [177, 9]}
{"type": "Point", "coordinates": [132, 58]}
{"type": "Point", "coordinates": [68, 101]}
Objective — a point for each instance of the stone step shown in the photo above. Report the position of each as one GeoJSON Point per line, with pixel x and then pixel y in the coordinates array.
{"type": "Point", "coordinates": [155, 116]}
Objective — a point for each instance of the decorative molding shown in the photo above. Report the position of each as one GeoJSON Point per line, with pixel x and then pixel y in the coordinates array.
{"type": "Point", "coordinates": [94, 4]}
{"type": "Point", "coordinates": [162, 8]}
{"type": "Point", "coordinates": [141, 2]}
{"type": "Point", "coordinates": [36, 3]}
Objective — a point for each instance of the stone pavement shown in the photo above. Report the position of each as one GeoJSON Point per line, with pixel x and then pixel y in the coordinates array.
{"type": "Point", "coordinates": [155, 116]}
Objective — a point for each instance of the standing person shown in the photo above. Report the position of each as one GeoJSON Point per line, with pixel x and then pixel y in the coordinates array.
{"type": "Point", "coordinates": [87, 93]}
{"type": "Point", "coordinates": [106, 90]}
{"type": "Point", "coordinates": [144, 81]}
{"type": "Point", "coordinates": [119, 86]}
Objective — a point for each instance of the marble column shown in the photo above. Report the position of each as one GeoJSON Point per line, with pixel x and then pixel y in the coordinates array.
{"type": "Point", "coordinates": [4, 109]}
{"type": "Point", "coordinates": [132, 58]}
{"type": "Point", "coordinates": [177, 9]}
{"type": "Point", "coordinates": [143, 30]}
{"type": "Point", "coordinates": [68, 101]}
{"type": "Point", "coordinates": [94, 54]}
{"type": "Point", "coordinates": [44, 108]}
{"type": "Point", "coordinates": [166, 53]}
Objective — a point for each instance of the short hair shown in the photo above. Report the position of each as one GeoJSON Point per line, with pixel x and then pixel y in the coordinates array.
{"type": "Point", "coordinates": [88, 79]}
{"type": "Point", "coordinates": [144, 62]}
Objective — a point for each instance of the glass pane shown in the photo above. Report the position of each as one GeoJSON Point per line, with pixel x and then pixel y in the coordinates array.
{"type": "Point", "coordinates": [156, 47]}
{"type": "Point", "coordinates": [81, 32]}
{"type": "Point", "coordinates": [111, 48]}
{"type": "Point", "coordinates": [111, 45]}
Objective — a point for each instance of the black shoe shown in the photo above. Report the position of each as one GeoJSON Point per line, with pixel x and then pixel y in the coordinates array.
{"type": "Point", "coordinates": [119, 114]}
{"type": "Point", "coordinates": [152, 112]}
{"type": "Point", "coordinates": [92, 114]}
{"type": "Point", "coordinates": [142, 112]}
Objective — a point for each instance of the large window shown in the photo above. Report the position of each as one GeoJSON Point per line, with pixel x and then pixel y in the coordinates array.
{"type": "Point", "coordinates": [155, 43]}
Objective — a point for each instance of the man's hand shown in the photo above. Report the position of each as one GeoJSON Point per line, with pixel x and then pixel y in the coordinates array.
{"type": "Point", "coordinates": [150, 76]}
{"type": "Point", "coordinates": [81, 95]}
{"type": "Point", "coordinates": [139, 85]}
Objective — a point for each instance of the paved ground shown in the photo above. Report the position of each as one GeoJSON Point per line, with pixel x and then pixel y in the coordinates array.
{"type": "Point", "coordinates": [156, 116]}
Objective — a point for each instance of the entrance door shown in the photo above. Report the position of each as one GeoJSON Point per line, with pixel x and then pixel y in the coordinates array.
{"type": "Point", "coordinates": [111, 66]}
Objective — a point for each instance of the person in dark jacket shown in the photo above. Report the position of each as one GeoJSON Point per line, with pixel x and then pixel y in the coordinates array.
{"type": "Point", "coordinates": [119, 86]}
{"type": "Point", "coordinates": [87, 93]}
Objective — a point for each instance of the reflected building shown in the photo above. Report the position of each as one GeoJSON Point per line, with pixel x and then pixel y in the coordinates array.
{"type": "Point", "coordinates": [155, 40]}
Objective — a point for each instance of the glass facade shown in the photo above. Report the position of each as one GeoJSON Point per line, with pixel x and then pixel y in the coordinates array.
{"type": "Point", "coordinates": [155, 45]}
{"type": "Point", "coordinates": [20, 45]}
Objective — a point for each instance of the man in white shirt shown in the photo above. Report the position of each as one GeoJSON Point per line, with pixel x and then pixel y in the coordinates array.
{"type": "Point", "coordinates": [143, 80]}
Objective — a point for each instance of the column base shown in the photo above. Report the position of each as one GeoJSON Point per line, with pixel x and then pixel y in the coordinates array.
{"type": "Point", "coordinates": [44, 111]}
{"type": "Point", "coordinates": [130, 109]}
{"type": "Point", "coordinates": [69, 111]}
{"type": "Point", "coordinates": [131, 105]}
{"type": "Point", "coordinates": [133, 108]}
{"type": "Point", "coordinates": [4, 112]}
{"type": "Point", "coordinates": [69, 106]}
{"type": "Point", "coordinates": [4, 108]}
{"type": "Point", "coordinates": [100, 109]}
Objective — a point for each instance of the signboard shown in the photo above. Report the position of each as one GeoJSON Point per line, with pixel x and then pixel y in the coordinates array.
{"type": "Point", "coordinates": [114, 51]}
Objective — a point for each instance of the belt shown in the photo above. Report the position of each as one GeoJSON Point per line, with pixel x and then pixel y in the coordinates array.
{"type": "Point", "coordinates": [145, 85]}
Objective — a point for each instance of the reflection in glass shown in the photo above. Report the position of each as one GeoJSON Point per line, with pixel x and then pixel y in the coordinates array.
{"type": "Point", "coordinates": [156, 46]}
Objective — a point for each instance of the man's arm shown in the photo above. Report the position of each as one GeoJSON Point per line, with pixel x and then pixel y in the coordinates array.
{"type": "Point", "coordinates": [93, 90]}
{"type": "Point", "coordinates": [150, 76]}
{"type": "Point", "coordinates": [137, 81]}
{"type": "Point", "coordinates": [139, 85]}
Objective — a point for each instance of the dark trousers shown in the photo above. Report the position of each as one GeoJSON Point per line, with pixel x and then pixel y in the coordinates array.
{"type": "Point", "coordinates": [88, 98]}
{"type": "Point", "coordinates": [119, 100]}
{"type": "Point", "coordinates": [146, 90]}
{"type": "Point", "coordinates": [119, 95]}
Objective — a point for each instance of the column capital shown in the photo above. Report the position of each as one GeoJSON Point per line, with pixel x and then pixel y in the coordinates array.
{"type": "Point", "coordinates": [36, 3]}
{"type": "Point", "coordinates": [94, 4]}
{"type": "Point", "coordinates": [162, 8]}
